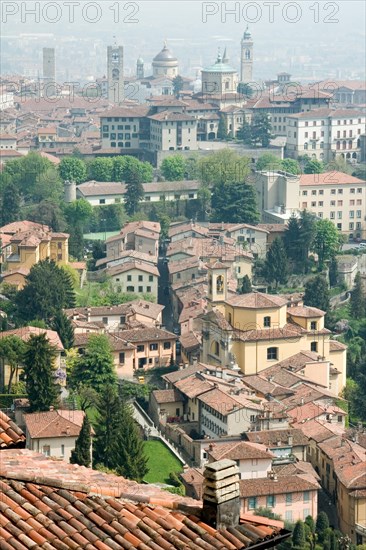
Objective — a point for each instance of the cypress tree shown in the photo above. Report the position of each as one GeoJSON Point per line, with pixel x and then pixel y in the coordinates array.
{"type": "Point", "coordinates": [321, 526]}
{"type": "Point", "coordinates": [107, 428]}
{"type": "Point", "coordinates": [40, 373]}
{"type": "Point", "coordinates": [333, 272]}
{"type": "Point", "coordinates": [317, 293]}
{"type": "Point", "coordinates": [132, 462]}
{"type": "Point", "coordinates": [357, 301]}
{"type": "Point", "coordinates": [63, 326]}
{"type": "Point", "coordinates": [298, 535]}
{"type": "Point", "coordinates": [292, 239]}
{"type": "Point", "coordinates": [276, 266]}
{"type": "Point", "coordinates": [81, 453]}
{"type": "Point", "coordinates": [246, 286]}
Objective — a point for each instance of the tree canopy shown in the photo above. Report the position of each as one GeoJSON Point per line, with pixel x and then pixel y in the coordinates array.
{"type": "Point", "coordinates": [276, 265]}
{"type": "Point", "coordinates": [317, 293]}
{"type": "Point", "coordinates": [48, 289]}
{"type": "Point", "coordinates": [72, 169]}
{"type": "Point", "coordinates": [173, 168]}
{"type": "Point", "coordinates": [95, 367]}
{"type": "Point", "coordinates": [326, 241]}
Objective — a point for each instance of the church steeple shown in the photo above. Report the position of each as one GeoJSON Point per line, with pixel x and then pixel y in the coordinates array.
{"type": "Point", "coordinates": [246, 65]}
{"type": "Point", "coordinates": [217, 282]}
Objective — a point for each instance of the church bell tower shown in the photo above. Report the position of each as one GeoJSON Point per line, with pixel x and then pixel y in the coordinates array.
{"type": "Point", "coordinates": [115, 73]}
{"type": "Point", "coordinates": [246, 66]}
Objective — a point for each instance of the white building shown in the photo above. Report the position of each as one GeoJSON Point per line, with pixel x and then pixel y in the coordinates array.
{"type": "Point", "coordinates": [171, 131]}
{"type": "Point", "coordinates": [6, 99]}
{"type": "Point", "coordinates": [54, 432]}
{"type": "Point", "coordinates": [325, 134]}
{"type": "Point", "coordinates": [135, 277]}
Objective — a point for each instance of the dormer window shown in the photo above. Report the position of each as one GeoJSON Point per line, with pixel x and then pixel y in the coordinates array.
{"type": "Point", "coordinates": [313, 325]}
{"type": "Point", "coordinates": [267, 322]}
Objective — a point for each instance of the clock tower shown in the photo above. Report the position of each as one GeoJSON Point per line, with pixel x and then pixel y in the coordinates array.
{"type": "Point", "coordinates": [246, 58]}
{"type": "Point", "coordinates": [115, 74]}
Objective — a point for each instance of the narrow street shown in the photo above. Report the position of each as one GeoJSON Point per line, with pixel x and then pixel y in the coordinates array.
{"type": "Point", "coordinates": [163, 295]}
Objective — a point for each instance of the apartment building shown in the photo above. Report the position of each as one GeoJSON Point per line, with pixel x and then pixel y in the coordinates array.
{"type": "Point", "coordinates": [135, 277]}
{"type": "Point", "coordinates": [171, 131]}
{"type": "Point", "coordinates": [124, 127]}
{"type": "Point", "coordinates": [337, 197]}
{"type": "Point", "coordinates": [325, 134]}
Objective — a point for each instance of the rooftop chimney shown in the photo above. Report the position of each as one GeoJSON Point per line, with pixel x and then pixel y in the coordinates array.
{"type": "Point", "coordinates": [221, 495]}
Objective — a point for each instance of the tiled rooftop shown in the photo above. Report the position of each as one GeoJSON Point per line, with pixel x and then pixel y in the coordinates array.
{"type": "Point", "coordinates": [10, 434]}
{"type": "Point", "coordinates": [53, 505]}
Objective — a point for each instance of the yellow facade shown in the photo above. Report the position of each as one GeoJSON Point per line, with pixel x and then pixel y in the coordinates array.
{"type": "Point", "coordinates": [33, 248]}
{"type": "Point", "coordinates": [256, 331]}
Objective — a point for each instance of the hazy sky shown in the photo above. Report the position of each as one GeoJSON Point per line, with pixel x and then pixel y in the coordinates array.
{"type": "Point", "coordinates": [326, 32]}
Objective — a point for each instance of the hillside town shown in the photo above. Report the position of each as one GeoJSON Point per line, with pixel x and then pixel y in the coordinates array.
{"type": "Point", "coordinates": [182, 307]}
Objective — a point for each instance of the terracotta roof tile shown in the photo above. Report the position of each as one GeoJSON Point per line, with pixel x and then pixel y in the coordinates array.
{"type": "Point", "coordinates": [10, 433]}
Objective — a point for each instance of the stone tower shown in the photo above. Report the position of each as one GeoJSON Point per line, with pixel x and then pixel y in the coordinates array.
{"type": "Point", "coordinates": [246, 69]}
{"type": "Point", "coordinates": [49, 72]}
{"type": "Point", "coordinates": [140, 68]}
{"type": "Point", "coordinates": [69, 191]}
{"type": "Point", "coordinates": [115, 74]}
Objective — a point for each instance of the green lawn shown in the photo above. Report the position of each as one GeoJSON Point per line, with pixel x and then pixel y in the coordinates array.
{"type": "Point", "coordinates": [161, 462]}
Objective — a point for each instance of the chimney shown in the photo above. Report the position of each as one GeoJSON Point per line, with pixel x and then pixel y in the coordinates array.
{"type": "Point", "coordinates": [221, 495]}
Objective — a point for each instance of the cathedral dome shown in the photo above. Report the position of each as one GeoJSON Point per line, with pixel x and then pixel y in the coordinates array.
{"type": "Point", "coordinates": [219, 67]}
{"type": "Point", "coordinates": [165, 55]}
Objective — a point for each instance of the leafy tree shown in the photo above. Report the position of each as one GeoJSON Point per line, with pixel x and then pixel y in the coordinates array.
{"type": "Point", "coordinates": [333, 272]}
{"type": "Point", "coordinates": [223, 167]}
{"type": "Point", "coordinates": [222, 131]}
{"type": "Point", "coordinates": [326, 241]}
{"type": "Point", "coordinates": [322, 524]}
{"type": "Point", "coordinates": [47, 290]}
{"type": "Point", "coordinates": [10, 204]}
{"type": "Point", "coordinates": [47, 212]}
{"type": "Point", "coordinates": [276, 266]}
{"type": "Point", "coordinates": [173, 168]}
{"type": "Point", "coordinates": [261, 129]}
{"type": "Point", "coordinates": [12, 349]}
{"type": "Point", "coordinates": [309, 520]}
{"type": "Point", "coordinates": [165, 222]}
{"type": "Point", "coordinates": [317, 293]}
{"type": "Point", "coordinates": [107, 428]}
{"type": "Point", "coordinates": [291, 166]}
{"type": "Point", "coordinates": [131, 457]}
{"type": "Point", "coordinates": [73, 169]}
{"type": "Point", "coordinates": [78, 212]}
{"type": "Point", "coordinates": [269, 162]}
{"type": "Point", "coordinates": [137, 171]}
{"type": "Point", "coordinates": [39, 373]}
{"type": "Point", "coordinates": [101, 169]}
{"type": "Point", "coordinates": [81, 454]}
{"type": "Point", "coordinates": [25, 172]}
{"type": "Point", "coordinates": [333, 540]}
{"type": "Point", "coordinates": [178, 83]}
{"type": "Point", "coordinates": [119, 164]}
{"type": "Point", "coordinates": [95, 367]}
{"type": "Point", "coordinates": [313, 166]}
{"type": "Point", "coordinates": [298, 535]}
{"type": "Point", "coordinates": [234, 203]}
{"type": "Point", "coordinates": [246, 285]}
{"type": "Point", "coordinates": [357, 302]}
{"type": "Point", "coordinates": [63, 326]}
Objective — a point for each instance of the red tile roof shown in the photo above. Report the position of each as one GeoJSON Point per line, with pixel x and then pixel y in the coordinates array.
{"type": "Point", "coordinates": [57, 506]}
{"type": "Point", "coordinates": [329, 178]}
{"type": "Point", "coordinates": [257, 300]}
{"type": "Point", "coordinates": [10, 434]}
{"type": "Point", "coordinates": [267, 486]}
{"type": "Point", "coordinates": [56, 423]}
{"type": "Point", "coordinates": [26, 332]}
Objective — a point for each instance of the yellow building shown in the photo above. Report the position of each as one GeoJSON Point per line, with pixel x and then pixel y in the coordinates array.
{"type": "Point", "coordinates": [256, 331]}
{"type": "Point", "coordinates": [29, 244]}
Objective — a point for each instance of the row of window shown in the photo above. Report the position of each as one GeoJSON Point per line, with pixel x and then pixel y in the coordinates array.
{"type": "Point", "coordinates": [271, 501]}
{"type": "Point", "coordinates": [212, 426]}
{"type": "Point", "coordinates": [350, 121]}
{"type": "Point", "coordinates": [138, 289]}
{"type": "Point", "coordinates": [352, 191]}
{"type": "Point", "coordinates": [141, 349]}
{"type": "Point", "coordinates": [120, 119]}
{"type": "Point", "coordinates": [351, 214]}
{"type": "Point", "coordinates": [121, 144]}
{"type": "Point", "coordinates": [140, 278]}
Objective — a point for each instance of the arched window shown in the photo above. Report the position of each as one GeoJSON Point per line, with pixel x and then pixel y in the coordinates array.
{"type": "Point", "coordinates": [350, 144]}
{"type": "Point", "coordinates": [305, 146]}
{"type": "Point", "coordinates": [220, 284]}
{"type": "Point", "coordinates": [215, 348]}
{"type": "Point", "coordinates": [344, 145]}
{"type": "Point", "coordinates": [115, 74]}
{"type": "Point", "coordinates": [247, 54]}
{"type": "Point", "coordinates": [338, 144]}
